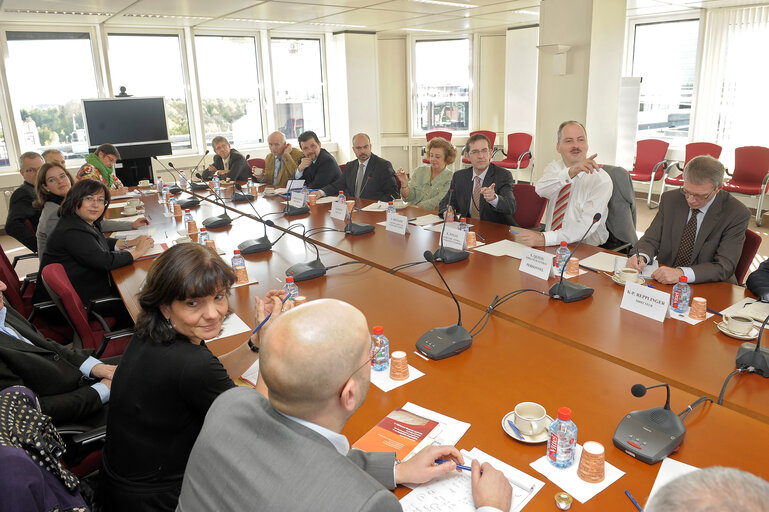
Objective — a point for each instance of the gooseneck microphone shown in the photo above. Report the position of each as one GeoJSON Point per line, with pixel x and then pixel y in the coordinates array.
{"type": "Point", "coordinates": [310, 269]}
{"type": "Point", "coordinates": [240, 197]}
{"type": "Point", "coordinates": [445, 254]}
{"type": "Point", "coordinates": [260, 244]}
{"type": "Point", "coordinates": [199, 185]}
{"type": "Point", "coordinates": [216, 221]}
{"type": "Point", "coordinates": [443, 342]}
{"type": "Point", "coordinates": [175, 189]}
{"type": "Point", "coordinates": [753, 357]}
{"type": "Point", "coordinates": [640, 390]}
{"type": "Point", "coordinates": [356, 228]}
{"type": "Point", "coordinates": [566, 290]}
{"type": "Point", "coordinates": [188, 203]}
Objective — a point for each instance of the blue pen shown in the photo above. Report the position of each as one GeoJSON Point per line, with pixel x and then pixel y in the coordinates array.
{"type": "Point", "coordinates": [528, 488]}
{"type": "Point", "coordinates": [630, 496]}
{"type": "Point", "coordinates": [515, 429]}
{"type": "Point", "coordinates": [514, 232]}
{"type": "Point", "coordinates": [714, 312]}
{"type": "Point", "coordinates": [268, 316]}
{"type": "Point", "coordinates": [459, 466]}
{"type": "Point", "coordinates": [589, 268]}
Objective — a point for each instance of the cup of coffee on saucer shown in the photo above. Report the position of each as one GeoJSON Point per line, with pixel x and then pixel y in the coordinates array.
{"type": "Point", "coordinates": [183, 240]}
{"type": "Point", "coordinates": [135, 202]}
{"type": "Point", "coordinates": [738, 324]}
{"type": "Point", "coordinates": [129, 209]}
{"type": "Point", "coordinates": [628, 275]}
{"type": "Point", "coordinates": [144, 183]}
{"type": "Point", "coordinates": [530, 418]}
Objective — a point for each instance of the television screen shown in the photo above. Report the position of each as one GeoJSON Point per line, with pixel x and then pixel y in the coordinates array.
{"type": "Point", "coordinates": [125, 121]}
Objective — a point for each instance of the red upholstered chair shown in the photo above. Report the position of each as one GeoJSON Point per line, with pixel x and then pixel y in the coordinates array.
{"type": "Point", "coordinates": [692, 149]}
{"type": "Point", "coordinates": [431, 135]}
{"type": "Point", "coordinates": [342, 167]}
{"type": "Point", "coordinates": [256, 162]}
{"type": "Point", "coordinates": [518, 153]}
{"type": "Point", "coordinates": [751, 174]}
{"type": "Point", "coordinates": [492, 136]}
{"type": "Point", "coordinates": [650, 164]}
{"type": "Point", "coordinates": [91, 334]}
{"type": "Point", "coordinates": [529, 207]}
{"type": "Point", "coordinates": [749, 251]}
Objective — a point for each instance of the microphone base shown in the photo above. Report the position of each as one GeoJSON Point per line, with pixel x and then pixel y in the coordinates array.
{"type": "Point", "coordinates": [241, 198]}
{"type": "Point", "coordinates": [198, 185]}
{"type": "Point", "coordinates": [570, 292]}
{"type": "Point", "coordinates": [189, 203]}
{"type": "Point", "coordinates": [446, 255]}
{"type": "Point", "coordinates": [443, 342]}
{"type": "Point", "coordinates": [175, 190]}
{"type": "Point", "coordinates": [355, 228]}
{"type": "Point", "coordinates": [293, 210]}
{"type": "Point", "coordinates": [219, 221]}
{"type": "Point", "coordinates": [747, 356]}
{"type": "Point", "coordinates": [255, 245]}
{"type": "Point", "coordinates": [306, 271]}
{"type": "Point", "coordinates": [660, 430]}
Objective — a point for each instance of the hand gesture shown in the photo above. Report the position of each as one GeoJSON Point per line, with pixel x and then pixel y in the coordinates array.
{"type": "Point", "coordinates": [103, 371]}
{"type": "Point", "coordinates": [141, 221]}
{"type": "Point", "coordinates": [287, 149]}
{"type": "Point", "coordinates": [449, 215]}
{"type": "Point", "coordinates": [402, 178]}
{"type": "Point", "coordinates": [588, 166]}
{"type": "Point", "coordinates": [637, 263]}
{"type": "Point", "coordinates": [304, 164]}
{"type": "Point", "coordinates": [530, 238]}
{"type": "Point", "coordinates": [422, 467]}
{"type": "Point", "coordinates": [488, 193]}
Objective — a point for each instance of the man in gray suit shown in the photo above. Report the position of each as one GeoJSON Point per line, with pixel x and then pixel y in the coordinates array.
{"type": "Point", "coordinates": [698, 231]}
{"type": "Point", "coordinates": [287, 452]}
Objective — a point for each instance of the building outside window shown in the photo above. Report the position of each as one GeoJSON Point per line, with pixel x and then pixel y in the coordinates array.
{"type": "Point", "coordinates": [442, 85]}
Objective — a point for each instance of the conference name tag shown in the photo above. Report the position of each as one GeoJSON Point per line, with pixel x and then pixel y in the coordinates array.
{"type": "Point", "coordinates": [454, 239]}
{"type": "Point", "coordinates": [297, 199]}
{"type": "Point", "coordinates": [646, 301]}
{"type": "Point", "coordinates": [397, 223]}
{"type": "Point", "coordinates": [338, 210]}
{"type": "Point", "coordinates": [536, 263]}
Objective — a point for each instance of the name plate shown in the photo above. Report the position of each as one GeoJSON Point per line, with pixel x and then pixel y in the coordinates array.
{"type": "Point", "coordinates": [536, 263]}
{"type": "Point", "coordinates": [339, 211]}
{"type": "Point", "coordinates": [646, 301]}
{"type": "Point", "coordinates": [397, 223]}
{"type": "Point", "coordinates": [454, 239]}
{"type": "Point", "coordinates": [297, 199]}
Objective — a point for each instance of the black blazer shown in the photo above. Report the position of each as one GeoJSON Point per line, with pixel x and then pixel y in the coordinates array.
{"type": "Point", "coordinates": [758, 281]}
{"type": "Point", "coordinates": [48, 369]}
{"type": "Point", "coordinates": [87, 256]}
{"type": "Point", "coordinates": [462, 183]}
{"type": "Point", "coordinates": [20, 209]}
{"type": "Point", "coordinates": [379, 182]}
{"type": "Point", "coordinates": [239, 168]}
{"type": "Point", "coordinates": [324, 171]}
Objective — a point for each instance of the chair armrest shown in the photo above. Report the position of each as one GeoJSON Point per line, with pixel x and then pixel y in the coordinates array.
{"type": "Point", "coordinates": [522, 156]}
{"type": "Point", "coordinates": [763, 183]}
{"type": "Point", "coordinates": [96, 434]}
{"type": "Point", "coordinates": [728, 173]}
{"type": "Point", "coordinates": [109, 337]}
{"type": "Point", "coordinates": [91, 309]}
{"type": "Point", "coordinates": [29, 278]}
{"type": "Point", "coordinates": [41, 306]}
{"type": "Point", "coordinates": [424, 150]}
{"type": "Point", "coordinates": [663, 163]}
{"type": "Point", "coordinates": [23, 257]}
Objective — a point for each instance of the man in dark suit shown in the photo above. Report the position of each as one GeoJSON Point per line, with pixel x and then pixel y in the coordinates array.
{"type": "Point", "coordinates": [316, 363]}
{"type": "Point", "coordinates": [698, 231]}
{"type": "Point", "coordinates": [317, 167]}
{"type": "Point", "coordinates": [368, 176]}
{"type": "Point", "coordinates": [758, 281]}
{"type": "Point", "coordinates": [483, 191]}
{"type": "Point", "coordinates": [63, 379]}
{"type": "Point", "coordinates": [228, 162]}
{"type": "Point", "coordinates": [20, 208]}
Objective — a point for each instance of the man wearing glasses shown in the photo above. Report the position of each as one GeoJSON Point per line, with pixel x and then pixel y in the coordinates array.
{"type": "Point", "coordinates": [22, 219]}
{"type": "Point", "coordinates": [483, 191]}
{"type": "Point", "coordinates": [576, 188]}
{"type": "Point", "coordinates": [367, 177]}
{"type": "Point", "coordinates": [698, 231]}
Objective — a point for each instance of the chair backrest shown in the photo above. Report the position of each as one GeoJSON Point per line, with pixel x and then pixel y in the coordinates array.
{"type": "Point", "coordinates": [751, 163]}
{"type": "Point", "coordinates": [342, 167]}
{"type": "Point", "coordinates": [256, 162]}
{"type": "Point", "coordinates": [648, 153]}
{"type": "Point", "coordinates": [622, 216]}
{"type": "Point", "coordinates": [749, 251]}
{"type": "Point", "coordinates": [438, 133]}
{"type": "Point", "coordinates": [701, 148]}
{"type": "Point", "coordinates": [530, 207]}
{"type": "Point", "coordinates": [65, 297]}
{"type": "Point", "coordinates": [12, 286]}
{"type": "Point", "coordinates": [517, 144]}
{"type": "Point", "coordinates": [492, 136]}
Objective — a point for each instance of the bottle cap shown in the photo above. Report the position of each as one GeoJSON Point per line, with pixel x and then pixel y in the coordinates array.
{"type": "Point", "coordinates": [683, 279]}
{"type": "Point", "coordinates": [186, 211]}
{"type": "Point", "coordinates": [378, 330]}
{"type": "Point", "coordinates": [290, 279]}
{"type": "Point", "coordinates": [203, 230]}
{"type": "Point", "coordinates": [341, 191]}
{"type": "Point", "coordinates": [564, 244]}
{"type": "Point", "coordinates": [462, 219]}
{"type": "Point", "coordinates": [564, 414]}
{"type": "Point", "coordinates": [390, 203]}
{"type": "Point", "coordinates": [237, 252]}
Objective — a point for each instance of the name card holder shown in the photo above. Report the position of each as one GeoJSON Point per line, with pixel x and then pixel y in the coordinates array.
{"type": "Point", "coordinates": [454, 239]}
{"type": "Point", "coordinates": [297, 199]}
{"type": "Point", "coordinates": [646, 301]}
{"type": "Point", "coordinates": [396, 223]}
{"type": "Point", "coordinates": [536, 263]}
{"type": "Point", "coordinates": [339, 210]}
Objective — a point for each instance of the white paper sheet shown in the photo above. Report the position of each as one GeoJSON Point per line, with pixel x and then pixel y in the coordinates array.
{"type": "Point", "coordinates": [326, 199]}
{"type": "Point", "coordinates": [383, 381]}
{"type": "Point", "coordinates": [686, 318]}
{"type": "Point", "coordinates": [426, 220]}
{"type": "Point", "coordinates": [600, 261]}
{"type": "Point", "coordinates": [232, 325]}
{"type": "Point", "coordinates": [452, 430]}
{"type": "Point", "coordinates": [670, 469]}
{"type": "Point", "coordinates": [504, 248]}
{"type": "Point", "coordinates": [739, 307]}
{"type": "Point", "coordinates": [133, 233]}
{"type": "Point", "coordinates": [252, 373]}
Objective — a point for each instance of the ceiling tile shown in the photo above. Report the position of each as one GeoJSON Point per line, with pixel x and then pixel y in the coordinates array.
{"type": "Point", "coordinates": [203, 8]}
{"type": "Point", "coordinates": [285, 11]}
{"type": "Point", "coordinates": [369, 18]}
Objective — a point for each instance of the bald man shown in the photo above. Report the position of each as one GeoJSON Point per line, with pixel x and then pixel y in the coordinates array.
{"type": "Point", "coordinates": [287, 452]}
{"type": "Point", "coordinates": [280, 163]}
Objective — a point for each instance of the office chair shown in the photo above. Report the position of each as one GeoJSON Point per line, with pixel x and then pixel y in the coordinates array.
{"type": "Point", "coordinates": [692, 149]}
{"type": "Point", "coordinates": [751, 175]}
{"type": "Point", "coordinates": [518, 153]}
{"type": "Point", "coordinates": [432, 135]}
{"type": "Point", "coordinates": [492, 136]}
{"type": "Point", "coordinates": [650, 164]}
{"type": "Point", "coordinates": [529, 206]}
{"type": "Point", "coordinates": [749, 251]}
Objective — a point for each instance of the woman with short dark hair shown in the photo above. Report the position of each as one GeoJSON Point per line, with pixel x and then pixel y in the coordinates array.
{"type": "Point", "coordinates": [167, 378]}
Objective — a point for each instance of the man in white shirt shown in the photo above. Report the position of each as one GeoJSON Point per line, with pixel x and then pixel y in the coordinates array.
{"type": "Point", "coordinates": [576, 189]}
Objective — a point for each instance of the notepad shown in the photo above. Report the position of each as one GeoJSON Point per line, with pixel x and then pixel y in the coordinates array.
{"type": "Point", "coordinates": [503, 248]}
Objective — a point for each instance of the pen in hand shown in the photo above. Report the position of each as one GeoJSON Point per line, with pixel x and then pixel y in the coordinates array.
{"type": "Point", "coordinates": [268, 316]}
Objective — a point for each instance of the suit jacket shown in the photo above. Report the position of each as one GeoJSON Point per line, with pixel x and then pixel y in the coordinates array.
{"type": "Point", "coordinates": [322, 172]}
{"type": "Point", "coordinates": [20, 209]}
{"type": "Point", "coordinates": [758, 281]}
{"type": "Point", "coordinates": [239, 168]}
{"type": "Point", "coordinates": [462, 183]}
{"type": "Point", "coordinates": [287, 169]}
{"type": "Point", "coordinates": [48, 369]}
{"type": "Point", "coordinates": [718, 245]}
{"type": "Point", "coordinates": [379, 182]}
{"type": "Point", "coordinates": [243, 434]}
{"type": "Point", "coordinates": [621, 221]}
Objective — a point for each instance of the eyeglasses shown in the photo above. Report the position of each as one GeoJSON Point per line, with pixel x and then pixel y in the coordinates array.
{"type": "Point", "coordinates": [368, 361]}
{"type": "Point", "coordinates": [484, 151]}
{"type": "Point", "coordinates": [33, 169]}
{"type": "Point", "coordinates": [94, 199]}
{"type": "Point", "coordinates": [698, 197]}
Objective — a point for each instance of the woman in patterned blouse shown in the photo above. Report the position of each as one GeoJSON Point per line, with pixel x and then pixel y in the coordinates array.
{"type": "Point", "coordinates": [429, 183]}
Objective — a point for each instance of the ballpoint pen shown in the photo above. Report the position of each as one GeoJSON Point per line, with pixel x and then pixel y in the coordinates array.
{"type": "Point", "coordinates": [515, 429]}
{"type": "Point", "coordinates": [632, 499]}
{"type": "Point", "coordinates": [268, 316]}
{"type": "Point", "coordinates": [528, 488]}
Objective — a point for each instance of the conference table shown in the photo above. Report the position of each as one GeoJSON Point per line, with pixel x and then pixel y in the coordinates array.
{"type": "Point", "coordinates": [532, 349]}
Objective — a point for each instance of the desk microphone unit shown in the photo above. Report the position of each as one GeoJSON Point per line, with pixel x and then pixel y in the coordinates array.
{"type": "Point", "coordinates": [260, 244]}
{"type": "Point", "coordinates": [566, 290]}
{"type": "Point", "coordinates": [240, 197]}
{"type": "Point", "coordinates": [294, 210]}
{"type": "Point", "coordinates": [216, 221]}
{"type": "Point", "coordinates": [307, 270]}
{"type": "Point", "coordinates": [652, 434]}
{"type": "Point", "coordinates": [753, 357]}
{"type": "Point", "coordinates": [187, 203]}
{"type": "Point", "coordinates": [443, 342]}
{"type": "Point", "coordinates": [445, 254]}
{"type": "Point", "coordinates": [357, 228]}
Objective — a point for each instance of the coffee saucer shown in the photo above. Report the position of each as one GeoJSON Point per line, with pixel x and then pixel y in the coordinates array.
{"type": "Point", "coordinates": [539, 438]}
{"type": "Point", "coordinates": [137, 212]}
{"type": "Point", "coordinates": [753, 334]}
{"type": "Point", "coordinates": [616, 279]}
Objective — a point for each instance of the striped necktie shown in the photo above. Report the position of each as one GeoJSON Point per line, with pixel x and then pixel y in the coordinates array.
{"type": "Point", "coordinates": [559, 212]}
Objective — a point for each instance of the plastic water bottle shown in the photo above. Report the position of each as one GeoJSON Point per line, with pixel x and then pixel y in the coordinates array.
{"type": "Point", "coordinates": [380, 350]}
{"type": "Point", "coordinates": [165, 193]}
{"type": "Point", "coordinates": [306, 195]}
{"type": "Point", "coordinates": [562, 446]}
{"type": "Point", "coordinates": [561, 257]}
{"type": "Point", "coordinates": [390, 208]}
{"type": "Point", "coordinates": [203, 236]}
{"type": "Point", "coordinates": [679, 298]}
{"type": "Point", "coordinates": [182, 180]}
{"type": "Point", "coordinates": [340, 198]}
{"type": "Point", "coordinates": [462, 224]}
{"type": "Point", "coordinates": [249, 185]}
{"type": "Point", "coordinates": [159, 184]}
{"type": "Point", "coordinates": [291, 288]}
{"type": "Point", "coordinates": [237, 260]}
{"type": "Point", "coordinates": [217, 183]}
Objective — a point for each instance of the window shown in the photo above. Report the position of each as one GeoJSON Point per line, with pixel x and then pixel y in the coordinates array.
{"type": "Point", "coordinates": [298, 81]}
{"type": "Point", "coordinates": [151, 65]}
{"type": "Point", "coordinates": [47, 104]}
{"type": "Point", "coordinates": [4, 160]}
{"type": "Point", "coordinates": [665, 56]}
{"type": "Point", "coordinates": [229, 89]}
{"type": "Point", "coordinates": [443, 85]}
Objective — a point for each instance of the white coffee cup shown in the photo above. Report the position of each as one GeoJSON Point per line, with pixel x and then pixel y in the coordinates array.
{"type": "Point", "coordinates": [129, 209]}
{"type": "Point", "coordinates": [627, 274]}
{"type": "Point", "coordinates": [530, 418]}
{"type": "Point", "coordinates": [144, 183]}
{"type": "Point", "coordinates": [739, 324]}
{"type": "Point", "coordinates": [183, 240]}
{"type": "Point", "coordinates": [135, 202]}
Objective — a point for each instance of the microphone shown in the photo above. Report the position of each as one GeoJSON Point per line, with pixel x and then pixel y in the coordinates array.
{"type": "Point", "coordinates": [310, 269]}
{"type": "Point", "coordinates": [639, 390]}
{"type": "Point", "coordinates": [566, 290]}
{"type": "Point", "coordinates": [198, 185]}
{"type": "Point", "coordinates": [356, 228]}
{"type": "Point", "coordinates": [240, 196]}
{"type": "Point", "coordinates": [753, 355]}
{"type": "Point", "coordinates": [443, 342]}
{"type": "Point", "coordinates": [445, 254]}
{"type": "Point", "coordinates": [217, 221]}
{"type": "Point", "coordinates": [260, 244]}
{"type": "Point", "coordinates": [192, 201]}
{"type": "Point", "coordinates": [175, 189]}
